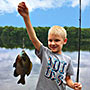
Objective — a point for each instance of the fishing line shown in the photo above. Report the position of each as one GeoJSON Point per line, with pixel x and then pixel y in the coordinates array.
{"type": "Point", "coordinates": [23, 43]}
{"type": "Point", "coordinates": [79, 40]}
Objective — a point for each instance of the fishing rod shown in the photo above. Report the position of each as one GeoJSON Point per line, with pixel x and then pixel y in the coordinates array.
{"type": "Point", "coordinates": [79, 40]}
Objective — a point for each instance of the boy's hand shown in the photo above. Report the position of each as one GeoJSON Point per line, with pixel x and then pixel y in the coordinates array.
{"type": "Point", "coordinates": [77, 86]}
{"type": "Point", "coordinates": [23, 10]}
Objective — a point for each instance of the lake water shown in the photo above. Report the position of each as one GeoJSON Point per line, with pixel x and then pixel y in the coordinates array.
{"type": "Point", "coordinates": [8, 81]}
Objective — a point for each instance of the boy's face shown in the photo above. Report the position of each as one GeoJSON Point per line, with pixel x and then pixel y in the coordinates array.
{"type": "Point", "coordinates": [55, 43]}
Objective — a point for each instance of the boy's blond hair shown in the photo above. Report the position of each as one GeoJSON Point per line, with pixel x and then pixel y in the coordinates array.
{"type": "Point", "coordinates": [58, 30]}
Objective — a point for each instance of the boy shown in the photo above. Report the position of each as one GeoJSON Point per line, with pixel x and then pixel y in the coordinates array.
{"type": "Point", "coordinates": [56, 68]}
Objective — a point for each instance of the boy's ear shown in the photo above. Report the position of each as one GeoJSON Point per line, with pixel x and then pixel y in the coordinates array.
{"type": "Point", "coordinates": [65, 41]}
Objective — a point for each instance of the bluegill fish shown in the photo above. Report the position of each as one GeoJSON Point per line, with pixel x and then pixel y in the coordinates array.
{"type": "Point", "coordinates": [23, 66]}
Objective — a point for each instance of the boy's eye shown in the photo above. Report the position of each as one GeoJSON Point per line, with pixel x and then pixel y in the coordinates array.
{"type": "Point", "coordinates": [57, 40]}
{"type": "Point", "coordinates": [50, 40]}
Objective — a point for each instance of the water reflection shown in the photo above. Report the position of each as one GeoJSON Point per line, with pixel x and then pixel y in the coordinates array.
{"type": "Point", "coordinates": [8, 81]}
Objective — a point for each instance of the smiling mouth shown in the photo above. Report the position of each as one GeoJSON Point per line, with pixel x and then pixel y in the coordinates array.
{"type": "Point", "coordinates": [53, 47]}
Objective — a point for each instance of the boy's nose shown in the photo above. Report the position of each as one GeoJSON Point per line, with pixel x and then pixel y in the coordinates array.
{"type": "Point", "coordinates": [53, 42]}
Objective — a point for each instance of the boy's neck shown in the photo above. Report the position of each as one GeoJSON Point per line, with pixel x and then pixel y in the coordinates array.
{"type": "Point", "coordinates": [59, 53]}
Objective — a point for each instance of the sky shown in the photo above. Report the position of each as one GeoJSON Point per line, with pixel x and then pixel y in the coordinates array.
{"type": "Point", "coordinates": [46, 13]}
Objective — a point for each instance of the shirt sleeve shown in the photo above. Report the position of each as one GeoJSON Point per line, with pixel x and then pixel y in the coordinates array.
{"type": "Point", "coordinates": [40, 53]}
{"type": "Point", "coordinates": [70, 70]}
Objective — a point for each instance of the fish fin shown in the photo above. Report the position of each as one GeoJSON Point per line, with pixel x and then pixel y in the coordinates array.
{"type": "Point", "coordinates": [22, 80]}
{"type": "Point", "coordinates": [14, 65]}
{"type": "Point", "coordinates": [30, 68]}
{"type": "Point", "coordinates": [28, 74]}
{"type": "Point", "coordinates": [15, 73]}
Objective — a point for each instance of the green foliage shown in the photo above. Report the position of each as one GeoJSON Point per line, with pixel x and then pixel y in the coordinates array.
{"type": "Point", "coordinates": [12, 37]}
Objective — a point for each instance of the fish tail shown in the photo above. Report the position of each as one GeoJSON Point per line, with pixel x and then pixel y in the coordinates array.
{"type": "Point", "coordinates": [22, 80]}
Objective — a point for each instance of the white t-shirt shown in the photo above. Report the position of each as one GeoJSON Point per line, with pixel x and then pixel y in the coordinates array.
{"type": "Point", "coordinates": [54, 69]}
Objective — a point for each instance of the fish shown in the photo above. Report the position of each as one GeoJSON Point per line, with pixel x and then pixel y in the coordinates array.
{"type": "Point", "coordinates": [23, 66]}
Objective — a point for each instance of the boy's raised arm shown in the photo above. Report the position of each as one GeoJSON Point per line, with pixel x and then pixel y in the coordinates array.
{"type": "Point", "coordinates": [23, 11]}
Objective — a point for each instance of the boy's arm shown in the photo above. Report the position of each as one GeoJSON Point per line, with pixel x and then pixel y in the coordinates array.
{"type": "Point", "coordinates": [23, 11]}
{"type": "Point", "coordinates": [71, 84]}
{"type": "Point", "coordinates": [32, 34]}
